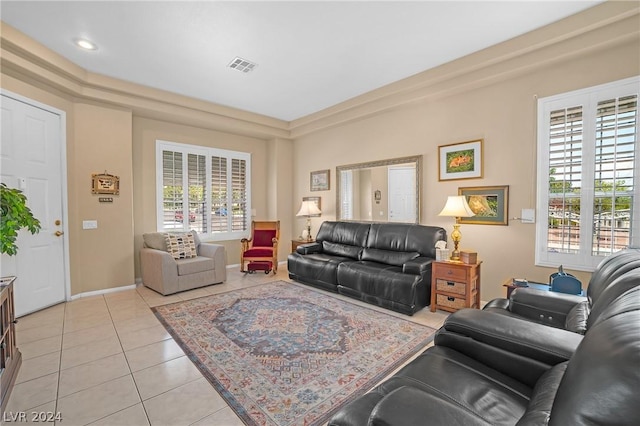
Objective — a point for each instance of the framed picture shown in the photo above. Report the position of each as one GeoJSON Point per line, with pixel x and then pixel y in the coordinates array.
{"type": "Point", "coordinates": [105, 184]}
{"type": "Point", "coordinates": [489, 203]}
{"type": "Point", "coordinates": [460, 160]}
{"type": "Point", "coordinates": [317, 200]}
{"type": "Point", "coordinates": [320, 180]}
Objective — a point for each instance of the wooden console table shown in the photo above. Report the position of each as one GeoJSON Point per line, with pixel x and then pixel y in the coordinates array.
{"type": "Point", "coordinates": [298, 242]}
{"type": "Point", "coordinates": [10, 356]}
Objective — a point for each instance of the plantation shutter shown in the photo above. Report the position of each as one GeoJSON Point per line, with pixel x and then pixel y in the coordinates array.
{"type": "Point", "coordinates": [239, 194]}
{"type": "Point", "coordinates": [197, 185]}
{"type": "Point", "coordinates": [565, 174]}
{"type": "Point", "coordinates": [171, 186]}
{"type": "Point", "coordinates": [616, 135]}
{"type": "Point", "coordinates": [219, 204]}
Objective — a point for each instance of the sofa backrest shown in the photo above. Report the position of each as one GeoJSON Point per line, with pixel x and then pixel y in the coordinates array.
{"type": "Point", "coordinates": [601, 382]}
{"type": "Point", "coordinates": [343, 238]}
{"type": "Point", "coordinates": [620, 285]}
{"type": "Point", "coordinates": [610, 269]}
{"type": "Point", "coordinates": [402, 237]}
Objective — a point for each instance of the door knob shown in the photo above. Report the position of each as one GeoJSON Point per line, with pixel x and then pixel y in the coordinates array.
{"type": "Point", "coordinates": [58, 233]}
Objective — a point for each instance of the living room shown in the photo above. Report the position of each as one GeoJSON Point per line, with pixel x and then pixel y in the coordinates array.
{"type": "Point", "coordinates": [113, 125]}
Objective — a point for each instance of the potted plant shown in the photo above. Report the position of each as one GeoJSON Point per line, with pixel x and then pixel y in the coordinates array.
{"type": "Point", "coordinates": [15, 215]}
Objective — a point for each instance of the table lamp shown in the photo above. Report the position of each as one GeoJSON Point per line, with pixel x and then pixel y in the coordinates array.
{"type": "Point", "coordinates": [308, 209]}
{"type": "Point", "coordinates": [457, 207]}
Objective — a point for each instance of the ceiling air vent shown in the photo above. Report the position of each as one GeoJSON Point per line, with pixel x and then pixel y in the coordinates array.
{"type": "Point", "coordinates": [242, 65]}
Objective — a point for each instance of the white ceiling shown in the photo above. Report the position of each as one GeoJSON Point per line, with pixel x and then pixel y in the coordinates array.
{"type": "Point", "coordinates": [310, 54]}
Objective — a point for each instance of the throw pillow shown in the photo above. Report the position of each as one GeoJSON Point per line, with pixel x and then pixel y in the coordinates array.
{"type": "Point", "coordinates": [181, 246]}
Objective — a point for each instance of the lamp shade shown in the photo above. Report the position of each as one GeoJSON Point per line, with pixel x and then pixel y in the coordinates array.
{"type": "Point", "coordinates": [308, 208]}
{"type": "Point", "coordinates": [457, 206]}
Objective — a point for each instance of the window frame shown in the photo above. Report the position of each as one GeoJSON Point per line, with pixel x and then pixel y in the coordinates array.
{"type": "Point", "coordinates": [208, 152]}
{"type": "Point", "coordinates": [587, 98]}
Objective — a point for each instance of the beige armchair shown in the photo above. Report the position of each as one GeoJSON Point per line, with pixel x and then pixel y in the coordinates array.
{"type": "Point", "coordinates": [166, 275]}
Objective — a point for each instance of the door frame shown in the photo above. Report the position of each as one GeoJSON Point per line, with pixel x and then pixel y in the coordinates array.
{"type": "Point", "coordinates": [63, 175]}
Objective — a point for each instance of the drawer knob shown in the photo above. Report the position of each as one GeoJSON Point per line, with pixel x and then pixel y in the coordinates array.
{"type": "Point", "coordinates": [449, 272]}
{"type": "Point", "coordinates": [451, 283]}
{"type": "Point", "coordinates": [451, 299]}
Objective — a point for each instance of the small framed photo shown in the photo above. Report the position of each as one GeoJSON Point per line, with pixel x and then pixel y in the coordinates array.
{"type": "Point", "coordinates": [317, 200]}
{"type": "Point", "coordinates": [320, 180]}
{"type": "Point", "coordinates": [489, 203]}
{"type": "Point", "coordinates": [460, 160]}
{"type": "Point", "coordinates": [105, 184]}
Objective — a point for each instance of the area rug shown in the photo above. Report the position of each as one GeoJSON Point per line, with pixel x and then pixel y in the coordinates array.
{"type": "Point", "coordinates": [281, 354]}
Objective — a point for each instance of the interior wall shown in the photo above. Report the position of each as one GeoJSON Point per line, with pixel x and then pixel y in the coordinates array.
{"type": "Point", "coordinates": [147, 131]}
{"type": "Point", "coordinates": [103, 143]}
{"type": "Point", "coordinates": [504, 115]}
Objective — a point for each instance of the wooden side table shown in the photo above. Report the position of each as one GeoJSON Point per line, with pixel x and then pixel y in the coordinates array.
{"type": "Point", "coordinates": [455, 285]}
{"type": "Point", "coordinates": [297, 242]}
{"type": "Point", "coordinates": [10, 356]}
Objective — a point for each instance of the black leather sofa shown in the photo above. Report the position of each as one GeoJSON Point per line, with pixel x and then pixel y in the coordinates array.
{"type": "Point", "coordinates": [385, 264]}
{"type": "Point", "coordinates": [492, 369]}
{"type": "Point", "coordinates": [564, 310]}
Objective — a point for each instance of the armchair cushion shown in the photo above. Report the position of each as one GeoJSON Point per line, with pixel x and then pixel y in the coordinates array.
{"type": "Point", "coordinates": [259, 252]}
{"type": "Point", "coordinates": [263, 238]}
{"type": "Point", "coordinates": [181, 246]}
{"type": "Point", "coordinates": [155, 240]}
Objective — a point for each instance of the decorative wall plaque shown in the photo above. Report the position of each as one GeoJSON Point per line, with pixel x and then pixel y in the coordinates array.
{"type": "Point", "coordinates": [105, 184]}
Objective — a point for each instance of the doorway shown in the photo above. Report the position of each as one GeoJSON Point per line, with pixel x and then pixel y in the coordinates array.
{"type": "Point", "coordinates": [32, 159]}
{"type": "Point", "coordinates": [402, 194]}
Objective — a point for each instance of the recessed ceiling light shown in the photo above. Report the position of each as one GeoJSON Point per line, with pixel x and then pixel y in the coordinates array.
{"type": "Point", "coordinates": [85, 44]}
{"type": "Point", "coordinates": [242, 65]}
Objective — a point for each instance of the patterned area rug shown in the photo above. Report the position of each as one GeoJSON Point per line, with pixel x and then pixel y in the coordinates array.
{"type": "Point", "coordinates": [282, 355]}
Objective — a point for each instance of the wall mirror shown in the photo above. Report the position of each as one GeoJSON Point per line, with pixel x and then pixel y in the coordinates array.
{"type": "Point", "coordinates": [380, 191]}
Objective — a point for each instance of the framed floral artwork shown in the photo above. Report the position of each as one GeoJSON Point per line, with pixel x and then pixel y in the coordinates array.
{"type": "Point", "coordinates": [460, 160]}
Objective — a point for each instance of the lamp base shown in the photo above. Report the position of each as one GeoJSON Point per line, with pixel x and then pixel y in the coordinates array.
{"type": "Point", "coordinates": [456, 236]}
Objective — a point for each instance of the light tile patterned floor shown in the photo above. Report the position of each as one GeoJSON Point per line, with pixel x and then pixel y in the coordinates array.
{"type": "Point", "coordinates": [106, 360]}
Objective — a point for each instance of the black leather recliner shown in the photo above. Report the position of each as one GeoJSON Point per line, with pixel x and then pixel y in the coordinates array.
{"type": "Point", "coordinates": [563, 310]}
{"type": "Point", "coordinates": [597, 385]}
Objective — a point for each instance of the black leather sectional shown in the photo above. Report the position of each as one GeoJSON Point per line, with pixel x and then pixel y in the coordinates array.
{"type": "Point", "coordinates": [488, 368]}
{"type": "Point", "coordinates": [385, 264]}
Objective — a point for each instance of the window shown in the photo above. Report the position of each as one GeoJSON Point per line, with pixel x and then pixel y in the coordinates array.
{"type": "Point", "coordinates": [588, 175]}
{"type": "Point", "coordinates": [203, 189]}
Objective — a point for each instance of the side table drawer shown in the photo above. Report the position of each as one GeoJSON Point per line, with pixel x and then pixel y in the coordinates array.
{"type": "Point", "coordinates": [451, 287]}
{"type": "Point", "coordinates": [450, 301]}
{"type": "Point", "coordinates": [450, 272]}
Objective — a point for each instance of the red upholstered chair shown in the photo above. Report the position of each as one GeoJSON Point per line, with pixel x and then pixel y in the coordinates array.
{"type": "Point", "coordinates": [262, 246]}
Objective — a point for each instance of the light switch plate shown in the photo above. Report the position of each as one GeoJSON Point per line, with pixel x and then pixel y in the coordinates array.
{"type": "Point", "coordinates": [89, 224]}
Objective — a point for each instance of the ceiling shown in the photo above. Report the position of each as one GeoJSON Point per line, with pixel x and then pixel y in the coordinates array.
{"type": "Point", "coordinates": [310, 55]}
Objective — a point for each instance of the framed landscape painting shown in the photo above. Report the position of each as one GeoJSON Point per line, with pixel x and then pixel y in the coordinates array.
{"type": "Point", "coordinates": [320, 180]}
{"type": "Point", "coordinates": [489, 203]}
{"type": "Point", "coordinates": [460, 160]}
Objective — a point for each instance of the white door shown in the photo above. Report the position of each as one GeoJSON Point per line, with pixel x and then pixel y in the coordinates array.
{"type": "Point", "coordinates": [402, 194]}
{"type": "Point", "coordinates": [30, 160]}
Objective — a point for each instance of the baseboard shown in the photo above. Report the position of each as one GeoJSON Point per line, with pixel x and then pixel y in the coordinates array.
{"type": "Point", "coordinates": [104, 291]}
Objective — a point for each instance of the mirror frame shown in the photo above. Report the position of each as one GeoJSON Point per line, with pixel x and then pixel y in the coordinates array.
{"type": "Point", "coordinates": [416, 159]}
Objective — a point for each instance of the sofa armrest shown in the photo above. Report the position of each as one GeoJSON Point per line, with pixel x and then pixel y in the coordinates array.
{"type": "Point", "coordinates": [218, 254]}
{"type": "Point", "coordinates": [516, 347]}
{"type": "Point", "coordinates": [309, 248]}
{"type": "Point", "coordinates": [418, 266]}
{"type": "Point", "coordinates": [547, 307]}
{"type": "Point", "coordinates": [409, 406]}
{"type": "Point", "coordinates": [159, 270]}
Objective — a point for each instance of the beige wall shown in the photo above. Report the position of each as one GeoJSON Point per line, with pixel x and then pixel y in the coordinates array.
{"type": "Point", "coordinates": [503, 114]}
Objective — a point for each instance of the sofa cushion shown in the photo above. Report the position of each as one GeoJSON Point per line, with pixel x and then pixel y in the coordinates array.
{"type": "Point", "coordinates": [263, 237]}
{"type": "Point", "coordinates": [405, 237]}
{"type": "Point", "coordinates": [193, 265]}
{"type": "Point", "coordinates": [397, 258]}
{"type": "Point", "coordinates": [155, 240]}
{"type": "Point", "coordinates": [577, 318]}
{"type": "Point", "coordinates": [343, 250]}
{"type": "Point", "coordinates": [181, 246]}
